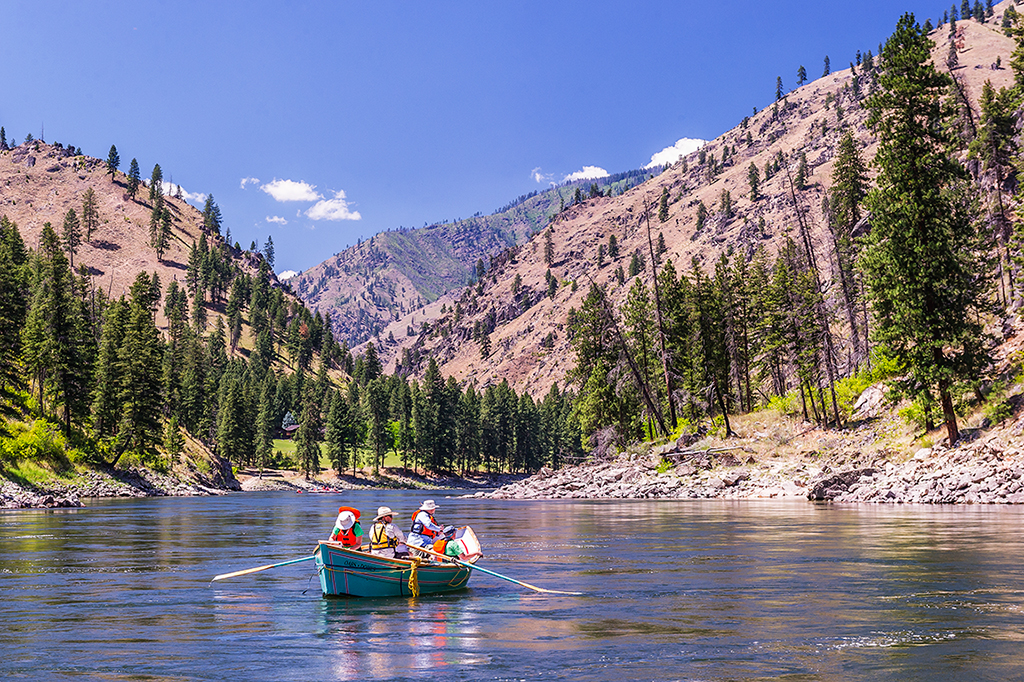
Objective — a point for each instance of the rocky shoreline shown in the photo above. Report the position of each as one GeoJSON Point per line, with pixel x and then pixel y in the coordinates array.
{"type": "Point", "coordinates": [986, 471]}
{"type": "Point", "coordinates": [58, 492]}
{"type": "Point", "coordinates": [87, 484]}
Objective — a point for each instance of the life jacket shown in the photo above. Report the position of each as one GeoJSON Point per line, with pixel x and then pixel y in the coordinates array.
{"type": "Point", "coordinates": [348, 538]}
{"type": "Point", "coordinates": [419, 528]}
{"type": "Point", "coordinates": [440, 544]}
{"type": "Point", "coordinates": [379, 538]}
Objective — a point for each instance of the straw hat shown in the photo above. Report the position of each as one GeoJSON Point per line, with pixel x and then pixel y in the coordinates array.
{"type": "Point", "coordinates": [346, 520]}
{"type": "Point", "coordinates": [382, 512]}
{"type": "Point", "coordinates": [428, 505]}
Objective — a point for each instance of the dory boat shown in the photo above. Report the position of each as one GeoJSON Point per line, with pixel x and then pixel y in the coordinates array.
{"type": "Point", "coordinates": [348, 572]}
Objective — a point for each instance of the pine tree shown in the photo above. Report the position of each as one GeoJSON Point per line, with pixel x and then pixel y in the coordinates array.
{"type": "Point", "coordinates": [308, 435]}
{"type": "Point", "coordinates": [174, 442]}
{"type": "Point", "coordinates": [90, 215]}
{"type": "Point", "coordinates": [134, 178]}
{"type": "Point", "coordinates": [113, 161]}
{"type": "Point", "coordinates": [828, 68]}
{"type": "Point", "coordinates": [268, 251]}
{"type": "Point", "coordinates": [140, 385]}
{"type": "Point", "coordinates": [105, 405]}
{"type": "Point", "coordinates": [3, 140]}
{"type": "Point", "coordinates": [663, 205]}
{"type": "Point", "coordinates": [212, 217]}
{"type": "Point", "coordinates": [801, 172]}
{"type": "Point", "coordinates": [233, 443]}
{"type": "Point", "coordinates": [14, 295]}
{"type": "Point", "coordinates": [156, 186]}
{"type": "Point", "coordinates": [849, 187]}
{"type": "Point", "coordinates": [995, 146]}
{"type": "Point", "coordinates": [754, 178]}
{"type": "Point", "coordinates": [801, 75]}
{"type": "Point", "coordinates": [71, 234]}
{"type": "Point", "coordinates": [923, 261]}
{"type": "Point", "coordinates": [613, 247]}
{"type": "Point", "coordinates": [58, 346]}
{"type": "Point", "coordinates": [778, 88]}
{"type": "Point", "coordinates": [375, 412]}
{"type": "Point", "coordinates": [337, 434]}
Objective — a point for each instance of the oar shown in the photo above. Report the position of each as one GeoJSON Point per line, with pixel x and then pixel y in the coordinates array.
{"type": "Point", "coordinates": [489, 572]}
{"type": "Point", "coordinates": [260, 568]}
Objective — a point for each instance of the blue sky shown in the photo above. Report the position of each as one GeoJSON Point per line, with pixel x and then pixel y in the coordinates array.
{"type": "Point", "coordinates": [324, 122]}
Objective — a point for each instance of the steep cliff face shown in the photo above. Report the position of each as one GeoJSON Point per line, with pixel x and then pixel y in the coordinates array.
{"type": "Point", "coordinates": [524, 316]}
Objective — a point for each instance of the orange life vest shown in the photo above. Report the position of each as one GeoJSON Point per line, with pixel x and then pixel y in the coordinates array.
{"type": "Point", "coordinates": [348, 538]}
{"type": "Point", "coordinates": [419, 528]}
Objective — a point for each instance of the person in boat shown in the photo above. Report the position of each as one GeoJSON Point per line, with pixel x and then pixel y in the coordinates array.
{"type": "Point", "coordinates": [386, 539]}
{"type": "Point", "coordinates": [347, 530]}
{"type": "Point", "coordinates": [425, 529]}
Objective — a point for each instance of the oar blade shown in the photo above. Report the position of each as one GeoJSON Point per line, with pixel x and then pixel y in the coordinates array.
{"type": "Point", "coordinates": [497, 575]}
{"type": "Point", "coordinates": [247, 571]}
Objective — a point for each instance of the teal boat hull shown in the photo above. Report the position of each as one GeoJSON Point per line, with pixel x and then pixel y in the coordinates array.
{"type": "Point", "coordinates": [350, 573]}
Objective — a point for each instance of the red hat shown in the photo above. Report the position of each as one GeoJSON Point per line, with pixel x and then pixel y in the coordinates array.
{"type": "Point", "coordinates": [350, 509]}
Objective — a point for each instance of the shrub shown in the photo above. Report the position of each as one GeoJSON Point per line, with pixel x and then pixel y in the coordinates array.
{"type": "Point", "coordinates": [783, 405]}
{"type": "Point", "coordinates": [40, 442]}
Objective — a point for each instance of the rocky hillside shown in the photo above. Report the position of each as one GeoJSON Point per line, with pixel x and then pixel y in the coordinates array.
{"type": "Point", "coordinates": [527, 331]}
{"type": "Point", "coordinates": [39, 182]}
{"type": "Point", "coordinates": [395, 274]}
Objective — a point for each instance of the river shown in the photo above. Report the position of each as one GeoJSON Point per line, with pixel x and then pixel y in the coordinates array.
{"type": "Point", "coordinates": [673, 590]}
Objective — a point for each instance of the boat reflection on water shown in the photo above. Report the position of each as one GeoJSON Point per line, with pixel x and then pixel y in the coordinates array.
{"type": "Point", "coordinates": [383, 641]}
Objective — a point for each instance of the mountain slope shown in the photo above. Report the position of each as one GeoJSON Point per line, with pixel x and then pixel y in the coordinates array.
{"type": "Point", "coordinates": [527, 331]}
{"type": "Point", "coordinates": [367, 286]}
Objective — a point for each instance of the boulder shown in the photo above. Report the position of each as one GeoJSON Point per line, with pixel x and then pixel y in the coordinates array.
{"type": "Point", "coordinates": [830, 485]}
{"type": "Point", "coordinates": [869, 404]}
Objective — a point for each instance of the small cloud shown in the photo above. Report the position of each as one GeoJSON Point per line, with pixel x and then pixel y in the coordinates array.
{"type": "Point", "coordinates": [287, 274]}
{"type": "Point", "coordinates": [250, 181]}
{"type": "Point", "coordinates": [172, 190]}
{"type": "Point", "coordinates": [539, 177]}
{"type": "Point", "coordinates": [277, 219]}
{"type": "Point", "coordinates": [289, 190]}
{"type": "Point", "coordinates": [333, 209]}
{"type": "Point", "coordinates": [588, 173]}
{"type": "Point", "coordinates": [681, 148]}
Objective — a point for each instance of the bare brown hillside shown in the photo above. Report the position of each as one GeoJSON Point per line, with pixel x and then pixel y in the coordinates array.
{"type": "Point", "coordinates": [529, 344]}
{"type": "Point", "coordinates": [39, 182]}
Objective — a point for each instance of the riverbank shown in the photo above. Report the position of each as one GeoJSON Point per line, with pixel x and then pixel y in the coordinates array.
{"type": "Point", "coordinates": [388, 477]}
{"type": "Point", "coordinates": [873, 462]}
{"type": "Point", "coordinates": [70, 490]}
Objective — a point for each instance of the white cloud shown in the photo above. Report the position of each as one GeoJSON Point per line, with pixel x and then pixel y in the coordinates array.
{"type": "Point", "coordinates": [333, 209]}
{"type": "Point", "coordinates": [250, 181]}
{"type": "Point", "coordinates": [289, 190]}
{"type": "Point", "coordinates": [287, 274]}
{"type": "Point", "coordinates": [171, 190]}
{"type": "Point", "coordinates": [277, 219]}
{"type": "Point", "coordinates": [677, 151]}
{"type": "Point", "coordinates": [588, 173]}
{"type": "Point", "coordinates": [541, 177]}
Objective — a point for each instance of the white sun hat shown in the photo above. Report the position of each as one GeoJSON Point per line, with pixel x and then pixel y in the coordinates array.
{"type": "Point", "coordinates": [428, 505]}
{"type": "Point", "coordinates": [345, 520]}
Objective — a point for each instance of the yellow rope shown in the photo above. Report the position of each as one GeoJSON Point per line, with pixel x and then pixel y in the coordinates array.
{"type": "Point", "coordinates": [414, 583]}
